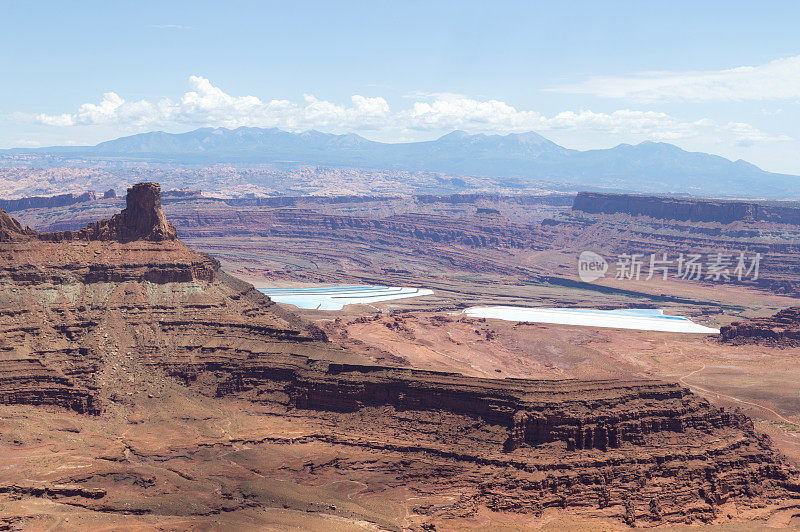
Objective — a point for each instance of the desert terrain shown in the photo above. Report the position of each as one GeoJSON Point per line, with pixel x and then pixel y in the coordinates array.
{"type": "Point", "coordinates": [149, 386]}
{"type": "Point", "coordinates": [400, 266]}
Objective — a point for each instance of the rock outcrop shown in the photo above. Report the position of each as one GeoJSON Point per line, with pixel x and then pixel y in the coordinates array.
{"type": "Point", "coordinates": [142, 219]}
{"type": "Point", "coordinates": [54, 289]}
{"type": "Point", "coordinates": [528, 445]}
{"type": "Point", "coordinates": [781, 329]}
{"type": "Point", "coordinates": [672, 208]}
{"type": "Point", "coordinates": [29, 381]}
{"type": "Point", "coordinates": [599, 415]}
{"type": "Point", "coordinates": [10, 229]}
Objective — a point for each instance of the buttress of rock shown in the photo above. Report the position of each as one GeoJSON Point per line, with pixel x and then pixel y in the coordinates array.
{"type": "Point", "coordinates": [141, 219]}
{"type": "Point", "coordinates": [11, 230]}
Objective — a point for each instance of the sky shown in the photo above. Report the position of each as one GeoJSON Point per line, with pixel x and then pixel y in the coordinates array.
{"type": "Point", "coordinates": [715, 76]}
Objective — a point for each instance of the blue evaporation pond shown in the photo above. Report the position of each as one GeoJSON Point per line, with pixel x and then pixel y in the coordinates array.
{"type": "Point", "coordinates": [636, 312]}
{"type": "Point", "coordinates": [641, 319]}
{"type": "Point", "coordinates": [336, 297]}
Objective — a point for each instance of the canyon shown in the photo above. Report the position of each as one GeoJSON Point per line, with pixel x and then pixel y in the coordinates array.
{"type": "Point", "coordinates": [167, 392]}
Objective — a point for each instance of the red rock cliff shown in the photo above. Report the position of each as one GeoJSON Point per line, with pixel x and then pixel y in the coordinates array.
{"type": "Point", "coordinates": [142, 218]}
{"type": "Point", "coordinates": [665, 207]}
{"type": "Point", "coordinates": [781, 329]}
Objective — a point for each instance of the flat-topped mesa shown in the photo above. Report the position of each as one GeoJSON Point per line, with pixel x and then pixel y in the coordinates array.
{"type": "Point", "coordinates": [46, 202]}
{"type": "Point", "coordinates": [691, 209]}
{"type": "Point", "coordinates": [781, 329]}
{"type": "Point", "coordinates": [142, 219]}
{"type": "Point", "coordinates": [665, 207]}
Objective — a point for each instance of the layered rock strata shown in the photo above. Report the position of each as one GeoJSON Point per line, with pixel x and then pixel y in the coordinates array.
{"type": "Point", "coordinates": [672, 208]}
{"type": "Point", "coordinates": [92, 315]}
{"type": "Point", "coordinates": [46, 202]}
{"type": "Point", "coordinates": [448, 233]}
{"type": "Point", "coordinates": [524, 445]}
{"type": "Point", "coordinates": [579, 414]}
{"type": "Point", "coordinates": [141, 219]}
{"type": "Point", "coordinates": [781, 329]}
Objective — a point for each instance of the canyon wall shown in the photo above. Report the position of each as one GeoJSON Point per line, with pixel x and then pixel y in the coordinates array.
{"type": "Point", "coordinates": [782, 329]}
{"type": "Point", "coordinates": [561, 200]}
{"type": "Point", "coordinates": [465, 233]}
{"type": "Point", "coordinates": [297, 223]}
{"type": "Point", "coordinates": [45, 202]}
{"type": "Point", "coordinates": [672, 208]}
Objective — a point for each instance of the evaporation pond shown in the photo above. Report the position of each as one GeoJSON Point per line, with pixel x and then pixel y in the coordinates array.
{"type": "Point", "coordinates": [336, 297]}
{"type": "Point", "coordinates": [640, 319]}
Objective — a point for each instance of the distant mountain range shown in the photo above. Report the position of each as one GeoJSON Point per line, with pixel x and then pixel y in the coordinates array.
{"type": "Point", "coordinates": [516, 158]}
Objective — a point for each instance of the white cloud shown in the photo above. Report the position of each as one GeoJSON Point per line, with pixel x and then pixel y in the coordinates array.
{"type": "Point", "coordinates": [778, 79]}
{"type": "Point", "coordinates": [208, 105]}
{"type": "Point", "coordinates": [112, 109]}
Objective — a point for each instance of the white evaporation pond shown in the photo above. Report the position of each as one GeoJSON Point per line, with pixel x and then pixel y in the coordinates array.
{"type": "Point", "coordinates": [336, 297]}
{"type": "Point", "coordinates": [640, 319]}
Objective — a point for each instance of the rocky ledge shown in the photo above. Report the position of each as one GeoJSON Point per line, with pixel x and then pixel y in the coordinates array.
{"type": "Point", "coordinates": [696, 210]}
{"type": "Point", "coordinates": [781, 329]}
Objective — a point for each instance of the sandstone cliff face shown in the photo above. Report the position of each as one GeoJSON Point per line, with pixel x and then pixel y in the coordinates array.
{"type": "Point", "coordinates": [90, 316]}
{"type": "Point", "coordinates": [781, 329]}
{"type": "Point", "coordinates": [36, 202]}
{"type": "Point", "coordinates": [600, 415]}
{"type": "Point", "coordinates": [55, 290]}
{"type": "Point", "coordinates": [527, 445]}
{"type": "Point", "coordinates": [10, 229]}
{"type": "Point", "coordinates": [410, 229]}
{"type": "Point", "coordinates": [142, 219]}
{"type": "Point", "coordinates": [658, 231]}
{"type": "Point", "coordinates": [683, 209]}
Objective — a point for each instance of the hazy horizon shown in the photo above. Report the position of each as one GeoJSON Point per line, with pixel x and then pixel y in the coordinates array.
{"type": "Point", "coordinates": [725, 80]}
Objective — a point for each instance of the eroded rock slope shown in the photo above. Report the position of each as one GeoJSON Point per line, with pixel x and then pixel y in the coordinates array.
{"type": "Point", "coordinates": [782, 329]}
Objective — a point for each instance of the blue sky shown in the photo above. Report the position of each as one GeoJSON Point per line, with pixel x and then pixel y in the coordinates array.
{"type": "Point", "coordinates": [722, 77]}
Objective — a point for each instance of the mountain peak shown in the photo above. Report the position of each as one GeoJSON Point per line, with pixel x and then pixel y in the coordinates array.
{"type": "Point", "coordinates": [456, 134]}
{"type": "Point", "coordinates": [529, 137]}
